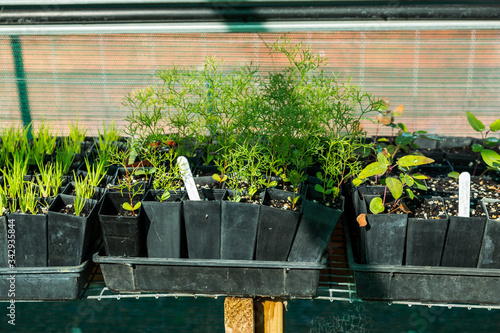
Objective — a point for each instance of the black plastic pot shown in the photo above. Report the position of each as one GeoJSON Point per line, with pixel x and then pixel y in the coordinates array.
{"type": "Point", "coordinates": [31, 239]}
{"type": "Point", "coordinates": [70, 236]}
{"type": "Point", "coordinates": [384, 237]}
{"type": "Point", "coordinates": [315, 229]}
{"type": "Point", "coordinates": [276, 229]}
{"type": "Point", "coordinates": [165, 232]}
{"type": "Point", "coordinates": [203, 224]}
{"type": "Point", "coordinates": [122, 235]}
{"type": "Point", "coordinates": [463, 241]}
{"type": "Point", "coordinates": [425, 241]}
{"type": "Point", "coordinates": [490, 249]}
{"type": "Point", "coordinates": [239, 222]}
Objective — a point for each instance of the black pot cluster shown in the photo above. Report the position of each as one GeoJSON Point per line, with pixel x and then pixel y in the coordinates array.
{"type": "Point", "coordinates": [217, 228]}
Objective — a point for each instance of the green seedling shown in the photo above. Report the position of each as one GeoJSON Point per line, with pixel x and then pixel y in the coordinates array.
{"type": "Point", "coordinates": [489, 156]}
{"type": "Point", "coordinates": [396, 186]}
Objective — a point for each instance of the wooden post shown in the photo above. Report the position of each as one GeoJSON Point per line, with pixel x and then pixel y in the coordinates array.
{"type": "Point", "coordinates": [269, 315]}
{"type": "Point", "coordinates": [248, 315]}
{"type": "Point", "coordinates": [239, 315]}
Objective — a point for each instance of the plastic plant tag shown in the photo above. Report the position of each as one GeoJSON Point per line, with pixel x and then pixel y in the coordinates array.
{"type": "Point", "coordinates": [188, 179]}
{"type": "Point", "coordinates": [464, 194]}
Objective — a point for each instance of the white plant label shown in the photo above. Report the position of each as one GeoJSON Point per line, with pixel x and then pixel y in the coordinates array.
{"type": "Point", "coordinates": [188, 179]}
{"type": "Point", "coordinates": [464, 194]}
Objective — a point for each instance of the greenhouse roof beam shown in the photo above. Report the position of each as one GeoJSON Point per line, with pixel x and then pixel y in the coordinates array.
{"type": "Point", "coordinates": [100, 12]}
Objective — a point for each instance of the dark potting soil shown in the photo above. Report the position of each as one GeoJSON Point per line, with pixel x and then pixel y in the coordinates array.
{"type": "Point", "coordinates": [284, 204]}
{"type": "Point", "coordinates": [70, 210]}
{"type": "Point", "coordinates": [479, 188]}
{"type": "Point", "coordinates": [476, 210]}
{"type": "Point", "coordinates": [337, 204]}
{"type": "Point", "coordinates": [493, 210]}
{"type": "Point", "coordinates": [427, 209]}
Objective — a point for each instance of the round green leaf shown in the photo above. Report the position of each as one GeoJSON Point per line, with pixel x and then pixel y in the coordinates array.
{"type": "Point", "coordinates": [454, 174]}
{"type": "Point", "coordinates": [376, 205]}
{"type": "Point", "coordinates": [127, 206]}
{"type": "Point", "coordinates": [476, 147]}
{"type": "Point", "coordinates": [475, 123]}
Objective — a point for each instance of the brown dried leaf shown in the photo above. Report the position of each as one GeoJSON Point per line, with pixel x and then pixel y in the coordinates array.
{"type": "Point", "coordinates": [361, 219]}
{"type": "Point", "coordinates": [399, 110]}
{"type": "Point", "coordinates": [384, 119]}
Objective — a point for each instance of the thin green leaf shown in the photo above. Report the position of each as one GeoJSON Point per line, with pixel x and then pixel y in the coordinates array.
{"type": "Point", "coordinates": [420, 176]}
{"type": "Point", "coordinates": [410, 194]}
{"type": "Point", "coordinates": [413, 160]}
{"type": "Point", "coordinates": [420, 185]}
{"type": "Point", "coordinates": [475, 123]}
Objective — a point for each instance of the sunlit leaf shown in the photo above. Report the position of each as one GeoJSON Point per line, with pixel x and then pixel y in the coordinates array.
{"type": "Point", "coordinates": [377, 205]}
{"type": "Point", "coordinates": [413, 160]}
{"type": "Point", "coordinates": [475, 123]}
{"type": "Point", "coordinates": [410, 194]}
{"type": "Point", "coordinates": [395, 186]}
{"type": "Point", "coordinates": [454, 174]}
{"type": "Point", "coordinates": [382, 104]}
{"type": "Point", "coordinates": [490, 157]}
{"type": "Point", "coordinates": [384, 119]}
{"type": "Point", "coordinates": [495, 126]}
{"type": "Point", "coordinates": [420, 176]}
{"type": "Point", "coordinates": [372, 169]}
{"type": "Point", "coordinates": [409, 180]}
{"type": "Point", "coordinates": [403, 127]}
{"type": "Point", "coordinates": [398, 110]}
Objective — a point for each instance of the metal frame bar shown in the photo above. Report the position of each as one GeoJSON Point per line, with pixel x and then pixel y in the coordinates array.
{"type": "Point", "coordinates": [273, 27]}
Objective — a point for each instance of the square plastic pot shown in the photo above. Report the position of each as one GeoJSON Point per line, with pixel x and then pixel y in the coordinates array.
{"type": "Point", "coordinates": [122, 235]}
{"type": "Point", "coordinates": [31, 239]}
{"type": "Point", "coordinates": [70, 236]}
{"type": "Point", "coordinates": [165, 230]}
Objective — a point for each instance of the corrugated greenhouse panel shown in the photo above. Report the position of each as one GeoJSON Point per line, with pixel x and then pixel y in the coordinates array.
{"type": "Point", "coordinates": [436, 75]}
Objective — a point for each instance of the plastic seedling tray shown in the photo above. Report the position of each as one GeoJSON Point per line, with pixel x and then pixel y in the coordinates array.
{"type": "Point", "coordinates": [210, 276]}
{"type": "Point", "coordinates": [44, 283]}
{"type": "Point", "coordinates": [424, 283]}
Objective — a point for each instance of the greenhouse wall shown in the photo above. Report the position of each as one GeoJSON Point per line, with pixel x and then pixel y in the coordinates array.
{"type": "Point", "coordinates": [436, 74]}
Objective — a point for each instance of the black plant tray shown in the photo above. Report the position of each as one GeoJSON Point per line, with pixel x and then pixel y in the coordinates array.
{"type": "Point", "coordinates": [44, 283]}
{"type": "Point", "coordinates": [424, 284]}
{"type": "Point", "coordinates": [210, 276]}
